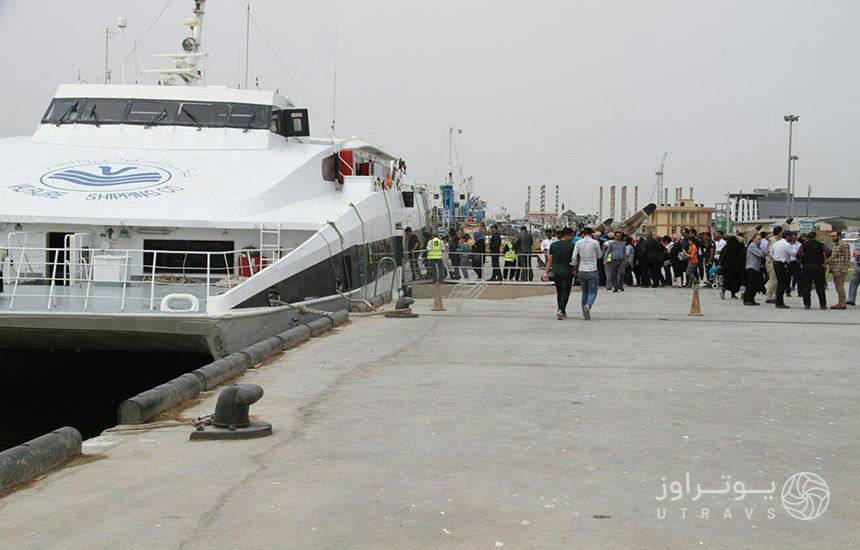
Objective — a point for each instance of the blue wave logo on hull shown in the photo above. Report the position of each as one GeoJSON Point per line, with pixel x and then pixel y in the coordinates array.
{"type": "Point", "coordinates": [109, 176]}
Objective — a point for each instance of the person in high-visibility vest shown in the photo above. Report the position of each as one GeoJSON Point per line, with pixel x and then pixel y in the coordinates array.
{"type": "Point", "coordinates": [435, 250]}
{"type": "Point", "coordinates": [510, 261]}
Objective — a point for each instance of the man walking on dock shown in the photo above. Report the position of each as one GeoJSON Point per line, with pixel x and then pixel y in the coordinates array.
{"type": "Point", "coordinates": [614, 260]}
{"type": "Point", "coordinates": [558, 260]}
{"type": "Point", "coordinates": [585, 256]}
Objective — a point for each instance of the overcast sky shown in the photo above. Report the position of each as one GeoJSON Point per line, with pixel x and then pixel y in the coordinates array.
{"type": "Point", "coordinates": [574, 93]}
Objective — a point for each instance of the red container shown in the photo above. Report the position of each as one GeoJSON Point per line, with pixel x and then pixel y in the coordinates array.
{"type": "Point", "coordinates": [248, 268]}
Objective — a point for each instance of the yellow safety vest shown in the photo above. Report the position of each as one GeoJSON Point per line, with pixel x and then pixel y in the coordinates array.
{"type": "Point", "coordinates": [434, 249]}
{"type": "Point", "coordinates": [510, 255]}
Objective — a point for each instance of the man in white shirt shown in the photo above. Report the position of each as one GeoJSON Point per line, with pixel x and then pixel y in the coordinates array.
{"type": "Point", "coordinates": [719, 244]}
{"type": "Point", "coordinates": [781, 253]}
{"type": "Point", "coordinates": [585, 255]}
{"type": "Point", "coordinates": [772, 279]}
{"type": "Point", "coordinates": [546, 243]}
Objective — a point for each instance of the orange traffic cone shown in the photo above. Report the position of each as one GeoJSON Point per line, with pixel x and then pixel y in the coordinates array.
{"type": "Point", "coordinates": [696, 306]}
{"type": "Point", "coordinates": [437, 298]}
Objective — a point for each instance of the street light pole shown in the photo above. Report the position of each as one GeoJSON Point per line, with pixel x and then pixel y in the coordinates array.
{"type": "Point", "coordinates": [791, 119]}
{"type": "Point", "coordinates": [793, 181]}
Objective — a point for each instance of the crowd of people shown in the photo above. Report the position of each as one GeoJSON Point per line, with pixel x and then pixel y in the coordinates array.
{"type": "Point", "coordinates": [741, 266]}
{"type": "Point", "coordinates": [774, 264]}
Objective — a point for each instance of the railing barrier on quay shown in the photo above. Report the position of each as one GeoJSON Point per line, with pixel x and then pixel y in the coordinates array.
{"type": "Point", "coordinates": [466, 267]}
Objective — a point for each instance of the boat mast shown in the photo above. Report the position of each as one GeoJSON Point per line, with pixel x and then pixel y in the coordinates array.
{"type": "Point", "coordinates": [450, 157]}
{"type": "Point", "coordinates": [187, 66]}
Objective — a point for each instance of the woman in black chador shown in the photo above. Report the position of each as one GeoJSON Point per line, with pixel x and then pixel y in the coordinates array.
{"type": "Point", "coordinates": [732, 259]}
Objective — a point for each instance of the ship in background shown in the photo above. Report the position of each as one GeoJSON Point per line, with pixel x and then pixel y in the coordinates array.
{"type": "Point", "coordinates": [454, 202]}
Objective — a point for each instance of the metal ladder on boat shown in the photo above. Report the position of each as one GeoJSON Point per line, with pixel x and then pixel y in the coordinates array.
{"type": "Point", "coordinates": [23, 260]}
{"type": "Point", "coordinates": [270, 244]}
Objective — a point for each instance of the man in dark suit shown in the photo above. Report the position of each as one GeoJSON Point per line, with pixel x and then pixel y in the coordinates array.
{"type": "Point", "coordinates": [813, 256]}
{"type": "Point", "coordinates": [524, 244]}
{"type": "Point", "coordinates": [495, 252]}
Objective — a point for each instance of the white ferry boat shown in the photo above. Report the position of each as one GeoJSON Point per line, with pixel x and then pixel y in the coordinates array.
{"type": "Point", "coordinates": [185, 217]}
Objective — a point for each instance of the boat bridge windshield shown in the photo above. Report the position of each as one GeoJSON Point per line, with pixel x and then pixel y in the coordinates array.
{"type": "Point", "coordinates": [155, 112]}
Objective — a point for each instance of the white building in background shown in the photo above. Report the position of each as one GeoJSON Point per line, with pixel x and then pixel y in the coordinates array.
{"type": "Point", "coordinates": [744, 207]}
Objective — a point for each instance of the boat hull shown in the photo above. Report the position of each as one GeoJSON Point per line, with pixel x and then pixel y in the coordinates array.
{"type": "Point", "coordinates": [217, 335]}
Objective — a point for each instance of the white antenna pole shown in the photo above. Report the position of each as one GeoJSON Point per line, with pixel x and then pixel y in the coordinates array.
{"type": "Point", "coordinates": [334, 84]}
{"type": "Point", "coordinates": [107, 67]}
{"type": "Point", "coordinates": [238, 66]}
{"type": "Point", "coordinates": [122, 23]}
{"type": "Point", "coordinates": [135, 62]}
{"type": "Point", "coordinates": [247, 41]}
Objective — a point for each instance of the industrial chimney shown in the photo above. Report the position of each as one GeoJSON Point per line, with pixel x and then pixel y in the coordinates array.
{"type": "Point", "coordinates": [623, 212]}
{"type": "Point", "coordinates": [600, 215]}
{"type": "Point", "coordinates": [529, 202]}
{"type": "Point", "coordinates": [542, 199]}
{"type": "Point", "coordinates": [612, 202]}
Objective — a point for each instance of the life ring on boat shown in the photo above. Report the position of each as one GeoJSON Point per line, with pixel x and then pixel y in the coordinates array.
{"type": "Point", "coordinates": [388, 182]}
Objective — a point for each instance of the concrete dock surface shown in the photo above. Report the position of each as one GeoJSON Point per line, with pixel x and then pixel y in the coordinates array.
{"type": "Point", "coordinates": [493, 425]}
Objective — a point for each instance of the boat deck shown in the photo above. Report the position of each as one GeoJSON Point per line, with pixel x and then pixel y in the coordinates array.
{"type": "Point", "coordinates": [100, 298]}
{"type": "Point", "coordinates": [493, 425]}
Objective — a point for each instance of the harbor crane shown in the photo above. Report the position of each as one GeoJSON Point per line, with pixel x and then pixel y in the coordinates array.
{"type": "Point", "coordinates": [659, 174]}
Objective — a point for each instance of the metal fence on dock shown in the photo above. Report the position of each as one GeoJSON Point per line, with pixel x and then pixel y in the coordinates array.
{"type": "Point", "coordinates": [466, 267]}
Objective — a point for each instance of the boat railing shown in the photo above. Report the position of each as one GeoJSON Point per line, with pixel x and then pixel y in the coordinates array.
{"type": "Point", "coordinates": [83, 278]}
